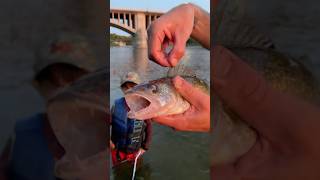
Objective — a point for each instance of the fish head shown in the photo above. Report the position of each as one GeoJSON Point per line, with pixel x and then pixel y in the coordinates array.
{"type": "Point", "coordinates": [150, 99]}
{"type": "Point", "coordinates": [79, 119]}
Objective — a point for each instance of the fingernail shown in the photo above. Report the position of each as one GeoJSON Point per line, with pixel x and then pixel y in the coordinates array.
{"type": "Point", "coordinates": [222, 61]}
{"type": "Point", "coordinates": [177, 81]}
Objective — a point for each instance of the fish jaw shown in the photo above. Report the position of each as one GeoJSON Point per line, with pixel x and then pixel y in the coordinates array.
{"type": "Point", "coordinates": [144, 107]}
{"type": "Point", "coordinates": [180, 106]}
{"type": "Point", "coordinates": [141, 106]}
{"type": "Point", "coordinates": [153, 99]}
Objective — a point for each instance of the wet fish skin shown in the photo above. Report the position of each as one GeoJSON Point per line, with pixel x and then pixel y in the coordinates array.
{"type": "Point", "coordinates": [282, 72]}
{"type": "Point", "coordinates": [162, 97]}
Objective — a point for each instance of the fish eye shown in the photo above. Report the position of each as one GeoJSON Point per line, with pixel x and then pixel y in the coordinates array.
{"type": "Point", "coordinates": [154, 89]}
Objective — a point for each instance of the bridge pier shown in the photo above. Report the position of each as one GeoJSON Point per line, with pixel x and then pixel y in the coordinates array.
{"type": "Point", "coordinates": [141, 32]}
{"type": "Point", "coordinates": [140, 39]}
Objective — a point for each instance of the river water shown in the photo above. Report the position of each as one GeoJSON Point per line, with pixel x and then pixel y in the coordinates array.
{"type": "Point", "coordinates": [172, 154]}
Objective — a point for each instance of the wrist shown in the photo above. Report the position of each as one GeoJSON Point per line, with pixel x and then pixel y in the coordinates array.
{"type": "Point", "coordinates": [201, 26]}
{"type": "Point", "coordinates": [192, 8]}
{"type": "Point", "coordinates": [188, 5]}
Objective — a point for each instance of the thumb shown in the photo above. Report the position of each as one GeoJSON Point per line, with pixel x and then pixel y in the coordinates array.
{"type": "Point", "coordinates": [192, 94]}
{"type": "Point", "coordinates": [177, 51]}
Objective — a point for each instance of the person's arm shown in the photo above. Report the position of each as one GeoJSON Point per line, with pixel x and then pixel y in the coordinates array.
{"type": "Point", "coordinates": [177, 26]}
{"type": "Point", "coordinates": [201, 26]}
{"type": "Point", "coordinates": [112, 109]}
{"type": "Point", "coordinates": [148, 135]}
{"type": "Point", "coordinates": [111, 144]}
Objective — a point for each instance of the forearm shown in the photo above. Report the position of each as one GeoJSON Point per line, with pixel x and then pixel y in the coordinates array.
{"type": "Point", "coordinates": [201, 28]}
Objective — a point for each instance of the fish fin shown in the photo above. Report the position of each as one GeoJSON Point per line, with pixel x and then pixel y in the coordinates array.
{"type": "Point", "coordinates": [189, 75]}
{"type": "Point", "coordinates": [232, 28]}
{"type": "Point", "coordinates": [181, 70]}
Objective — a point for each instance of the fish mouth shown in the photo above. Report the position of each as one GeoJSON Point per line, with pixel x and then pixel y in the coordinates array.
{"type": "Point", "coordinates": [137, 103]}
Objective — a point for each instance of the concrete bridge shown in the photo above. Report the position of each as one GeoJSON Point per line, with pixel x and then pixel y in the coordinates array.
{"type": "Point", "coordinates": [134, 22]}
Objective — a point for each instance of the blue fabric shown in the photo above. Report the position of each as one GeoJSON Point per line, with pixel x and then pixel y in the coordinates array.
{"type": "Point", "coordinates": [127, 134]}
{"type": "Point", "coordinates": [119, 124]}
{"type": "Point", "coordinates": [31, 158]}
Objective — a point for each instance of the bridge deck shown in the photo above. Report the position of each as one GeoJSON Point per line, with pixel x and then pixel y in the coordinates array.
{"type": "Point", "coordinates": [124, 10]}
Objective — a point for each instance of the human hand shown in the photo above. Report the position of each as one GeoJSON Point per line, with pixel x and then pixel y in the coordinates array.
{"type": "Point", "coordinates": [286, 126]}
{"type": "Point", "coordinates": [142, 151]}
{"type": "Point", "coordinates": [197, 117]}
{"type": "Point", "coordinates": [173, 27]}
{"type": "Point", "coordinates": [112, 146]}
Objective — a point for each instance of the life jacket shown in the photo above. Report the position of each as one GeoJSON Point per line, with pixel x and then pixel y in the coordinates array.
{"type": "Point", "coordinates": [31, 158]}
{"type": "Point", "coordinates": [127, 134]}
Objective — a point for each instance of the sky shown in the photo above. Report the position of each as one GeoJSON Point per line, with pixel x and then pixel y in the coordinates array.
{"type": "Point", "coordinates": [152, 5]}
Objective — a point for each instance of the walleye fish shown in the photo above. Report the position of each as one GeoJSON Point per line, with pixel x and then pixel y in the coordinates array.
{"type": "Point", "coordinates": [159, 97]}
{"type": "Point", "coordinates": [78, 117]}
{"type": "Point", "coordinates": [231, 136]}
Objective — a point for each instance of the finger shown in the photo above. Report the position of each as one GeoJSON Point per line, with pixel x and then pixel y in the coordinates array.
{"type": "Point", "coordinates": [178, 50]}
{"type": "Point", "coordinates": [247, 93]}
{"type": "Point", "coordinates": [233, 79]}
{"type": "Point", "coordinates": [192, 94]}
{"type": "Point", "coordinates": [155, 41]}
{"type": "Point", "coordinates": [157, 55]}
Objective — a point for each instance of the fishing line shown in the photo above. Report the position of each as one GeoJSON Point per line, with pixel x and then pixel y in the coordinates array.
{"type": "Point", "coordinates": [135, 165]}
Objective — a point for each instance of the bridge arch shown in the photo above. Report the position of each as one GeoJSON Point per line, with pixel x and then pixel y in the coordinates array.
{"type": "Point", "coordinates": [127, 30]}
{"type": "Point", "coordinates": [134, 22]}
